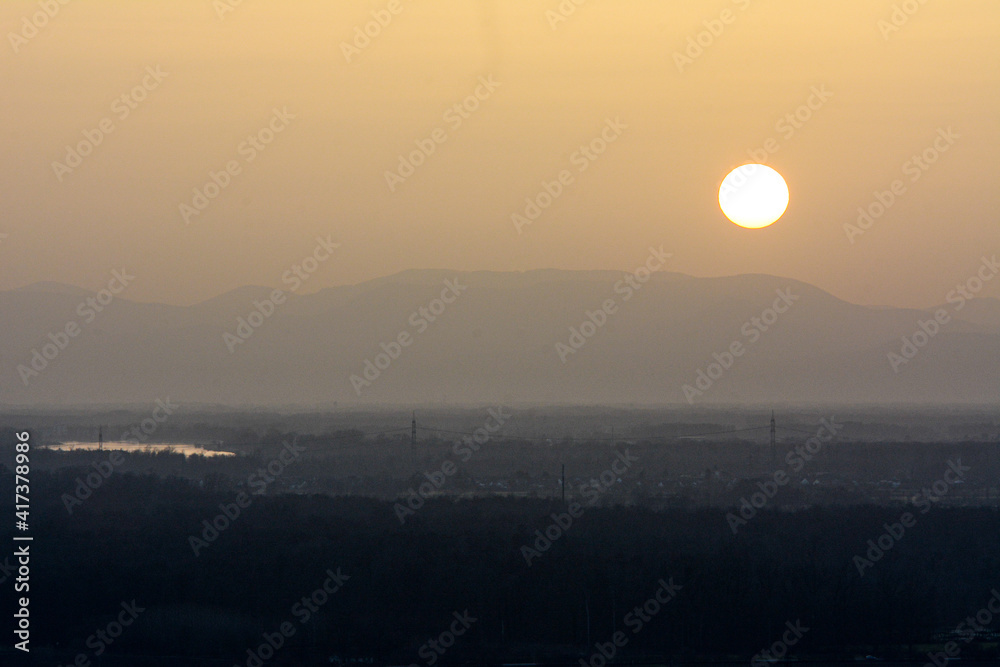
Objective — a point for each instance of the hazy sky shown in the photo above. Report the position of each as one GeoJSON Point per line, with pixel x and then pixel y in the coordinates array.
{"type": "Point", "coordinates": [682, 127]}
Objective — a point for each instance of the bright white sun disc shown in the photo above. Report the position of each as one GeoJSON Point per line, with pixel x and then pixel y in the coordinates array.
{"type": "Point", "coordinates": [753, 196]}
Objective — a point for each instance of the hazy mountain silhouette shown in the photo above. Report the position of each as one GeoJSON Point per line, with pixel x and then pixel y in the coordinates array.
{"type": "Point", "coordinates": [497, 342]}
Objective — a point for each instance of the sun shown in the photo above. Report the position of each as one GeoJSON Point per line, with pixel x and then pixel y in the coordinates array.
{"type": "Point", "coordinates": [753, 196]}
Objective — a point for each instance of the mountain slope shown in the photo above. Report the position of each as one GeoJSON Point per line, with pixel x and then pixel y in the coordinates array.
{"type": "Point", "coordinates": [497, 341]}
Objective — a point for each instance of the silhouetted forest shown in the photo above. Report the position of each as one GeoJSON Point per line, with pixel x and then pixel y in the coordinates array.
{"type": "Point", "coordinates": [404, 583]}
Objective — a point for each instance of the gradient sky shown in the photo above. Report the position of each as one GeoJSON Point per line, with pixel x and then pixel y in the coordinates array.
{"type": "Point", "coordinates": [656, 185]}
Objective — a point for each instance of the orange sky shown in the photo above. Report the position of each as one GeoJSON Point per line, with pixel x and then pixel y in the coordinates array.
{"type": "Point", "coordinates": [679, 126]}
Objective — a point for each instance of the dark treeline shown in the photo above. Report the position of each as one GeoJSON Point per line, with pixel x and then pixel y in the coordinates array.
{"type": "Point", "coordinates": [242, 428]}
{"type": "Point", "coordinates": [683, 472]}
{"type": "Point", "coordinates": [131, 541]}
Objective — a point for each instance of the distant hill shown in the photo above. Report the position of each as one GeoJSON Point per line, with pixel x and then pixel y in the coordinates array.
{"type": "Point", "coordinates": [497, 343]}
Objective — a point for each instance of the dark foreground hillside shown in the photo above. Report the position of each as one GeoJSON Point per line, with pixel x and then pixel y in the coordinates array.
{"type": "Point", "coordinates": [453, 583]}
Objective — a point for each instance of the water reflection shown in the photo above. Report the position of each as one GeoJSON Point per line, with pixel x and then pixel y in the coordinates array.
{"type": "Point", "coordinates": [179, 448]}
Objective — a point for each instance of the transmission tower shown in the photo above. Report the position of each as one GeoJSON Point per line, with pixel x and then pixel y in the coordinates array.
{"type": "Point", "coordinates": [773, 448]}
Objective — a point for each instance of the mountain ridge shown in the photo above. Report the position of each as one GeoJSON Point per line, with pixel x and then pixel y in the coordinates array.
{"type": "Point", "coordinates": [475, 337]}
